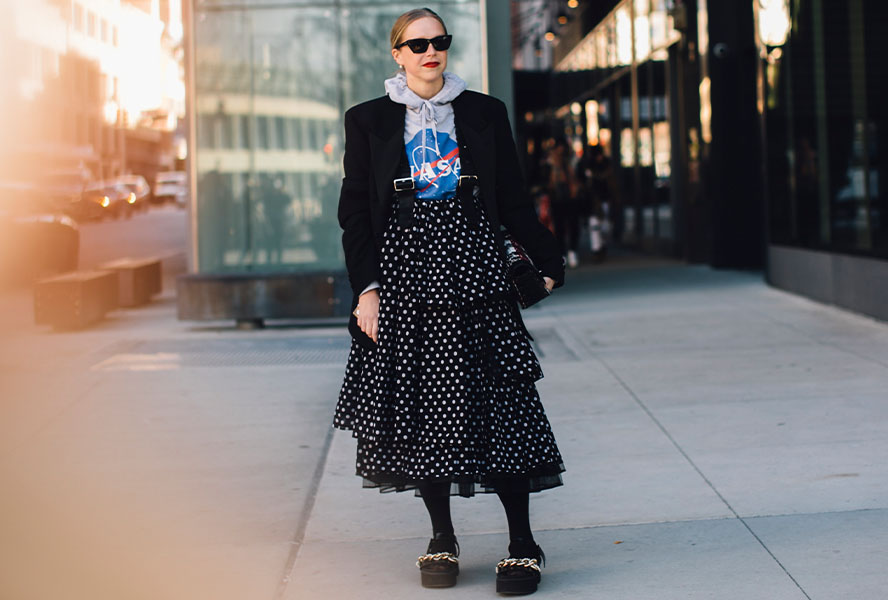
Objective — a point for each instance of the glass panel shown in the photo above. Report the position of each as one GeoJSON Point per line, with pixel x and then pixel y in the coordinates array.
{"type": "Point", "coordinates": [659, 15]}
{"type": "Point", "coordinates": [825, 121]}
{"type": "Point", "coordinates": [876, 12]}
{"type": "Point", "coordinates": [624, 36]}
{"type": "Point", "coordinates": [606, 125]}
{"type": "Point", "coordinates": [662, 150]}
{"type": "Point", "coordinates": [642, 30]}
{"type": "Point", "coordinates": [583, 57]}
{"type": "Point", "coordinates": [627, 144]}
{"type": "Point", "coordinates": [847, 129]}
{"type": "Point", "coordinates": [611, 32]}
{"type": "Point", "coordinates": [601, 45]}
{"type": "Point", "coordinates": [591, 53]}
{"type": "Point", "coordinates": [254, 71]}
{"type": "Point", "coordinates": [645, 147]}
{"type": "Point", "coordinates": [592, 124]}
{"type": "Point", "coordinates": [643, 177]}
{"type": "Point", "coordinates": [271, 86]}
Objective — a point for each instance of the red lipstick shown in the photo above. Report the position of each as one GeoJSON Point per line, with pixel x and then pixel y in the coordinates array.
{"type": "Point", "coordinates": [431, 64]}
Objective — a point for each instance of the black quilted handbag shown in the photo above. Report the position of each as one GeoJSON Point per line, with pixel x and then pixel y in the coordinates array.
{"type": "Point", "coordinates": [525, 279]}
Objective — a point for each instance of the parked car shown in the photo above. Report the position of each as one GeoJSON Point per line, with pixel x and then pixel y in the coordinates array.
{"type": "Point", "coordinates": [35, 241]}
{"type": "Point", "coordinates": [94, 205]}
{"type": "Point", "coordinates": [124, 200]}
{"type": "Point", "coordinates": [138, 186]}
{"type": "Point", "coordinates": [104, 200]}
{"type": "Point", "coordinates": [171, 186]}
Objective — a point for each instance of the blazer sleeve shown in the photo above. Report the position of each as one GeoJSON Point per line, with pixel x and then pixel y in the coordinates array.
{"type": "Point", "coordinates": [515, 207]}
{"type": "Point", "coordinates": [358, 244]}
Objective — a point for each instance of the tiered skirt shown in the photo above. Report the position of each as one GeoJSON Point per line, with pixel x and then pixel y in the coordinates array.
{"type": "Point", "coordinates": [448, 393]}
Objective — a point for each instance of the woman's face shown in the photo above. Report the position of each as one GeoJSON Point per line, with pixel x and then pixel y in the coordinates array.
{"type": "Point", "coordinates": [426, 67]}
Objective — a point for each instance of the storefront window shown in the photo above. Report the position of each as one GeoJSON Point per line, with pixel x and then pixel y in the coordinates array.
{"type": "Point", "coordinates": [645, 147]}
{"type": "Point", "coordinates": [663, 153]}
{"type": "Point", "coordinates": [627, 147]}
{"type": "Point", "coordinates": [825, 118]}
{"type": "Point", "coordinates": [592, 124]}
{"type": "Point", "coordinates": [629, 116]}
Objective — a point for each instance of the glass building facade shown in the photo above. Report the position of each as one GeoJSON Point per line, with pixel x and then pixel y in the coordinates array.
{"type": "Point", "coordinates": [272, 80]}
{"type": "Point", "coordinates": [268, 84]}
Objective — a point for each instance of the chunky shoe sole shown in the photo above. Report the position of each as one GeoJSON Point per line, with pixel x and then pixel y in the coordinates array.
{"type": "Point", "coordinates": [517, 586]}
{"type": "Point", "coordinates": [438, 579]}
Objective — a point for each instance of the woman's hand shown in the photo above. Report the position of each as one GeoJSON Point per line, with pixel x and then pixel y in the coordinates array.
{"type": "Point", "coordinates": [550, 283]}
{"type": "Point", "coordinates": [367, 313]}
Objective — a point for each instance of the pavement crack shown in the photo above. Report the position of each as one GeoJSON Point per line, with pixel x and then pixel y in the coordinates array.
{"type": "Point", "coordinates": [305, 515]}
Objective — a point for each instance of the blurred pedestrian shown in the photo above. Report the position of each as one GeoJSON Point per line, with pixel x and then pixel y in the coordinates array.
{"type": "Point", "coordinates": [274, 203]}
{"type": "Point", "coordinates": [598, 192]}
{"type": "Point", "coordinates": [439, 387]}
{"type": "Point", "coordinates": [563, 201]}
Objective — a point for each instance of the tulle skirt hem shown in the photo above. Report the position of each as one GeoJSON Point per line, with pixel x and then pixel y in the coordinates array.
{"type": "Point", "coordinates": [541, 478]}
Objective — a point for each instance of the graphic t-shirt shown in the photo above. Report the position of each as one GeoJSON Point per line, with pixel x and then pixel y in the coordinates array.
{"type": "Point", "coordinates": [434, 167]}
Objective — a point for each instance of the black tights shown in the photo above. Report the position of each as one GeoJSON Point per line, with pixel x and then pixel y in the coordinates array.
{"type": "Point", "coordinates": [437, 500]}
{"type": "Point", "coordinates": [436, 497]}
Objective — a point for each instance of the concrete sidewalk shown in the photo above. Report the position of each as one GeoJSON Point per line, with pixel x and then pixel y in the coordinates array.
{"type": "Point", "coordinates": [722, 439]}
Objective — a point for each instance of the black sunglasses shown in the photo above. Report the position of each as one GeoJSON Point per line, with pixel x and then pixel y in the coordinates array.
{"type": "Point", "coordinates": [420, 45]}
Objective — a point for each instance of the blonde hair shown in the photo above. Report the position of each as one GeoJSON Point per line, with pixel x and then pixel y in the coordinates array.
{"type": "Point", "coordinates": [402, 22]}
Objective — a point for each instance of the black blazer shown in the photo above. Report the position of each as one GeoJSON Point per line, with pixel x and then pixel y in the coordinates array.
{"type": "Point", "coordinates": [374, 143]}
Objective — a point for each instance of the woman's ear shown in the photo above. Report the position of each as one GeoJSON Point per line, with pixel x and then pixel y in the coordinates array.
{"type": "Point", "coordinates": [396, 54]}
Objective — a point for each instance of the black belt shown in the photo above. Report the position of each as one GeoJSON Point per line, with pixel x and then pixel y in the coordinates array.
{"type": "Point", "coordinates": [406, 194]}
{"type": "Point", "coordinates": [405, 191]}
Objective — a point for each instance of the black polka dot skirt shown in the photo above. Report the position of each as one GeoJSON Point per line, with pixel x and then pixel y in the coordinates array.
{"type": "Point", "coordinates": [448, 393]}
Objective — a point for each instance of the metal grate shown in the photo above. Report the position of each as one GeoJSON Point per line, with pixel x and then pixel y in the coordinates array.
{"type": "Point", "coordinates": [146, 355]}
{"type": "Point", "coordinates": [166, 355]}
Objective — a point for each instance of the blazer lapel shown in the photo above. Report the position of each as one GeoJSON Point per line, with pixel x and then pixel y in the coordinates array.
{"type": "Point", "coordinates": [386, 147]}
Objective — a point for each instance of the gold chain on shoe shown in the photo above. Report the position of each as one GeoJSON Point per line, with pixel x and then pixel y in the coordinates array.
{"type": "Point", "coordinates": [449, 556]}
{"type": "Point", "coordinates": [528, 563]}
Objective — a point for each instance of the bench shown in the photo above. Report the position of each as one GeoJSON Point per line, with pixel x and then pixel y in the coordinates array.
{"type": "Point", "coordinates": [74, 300]}
{"type": "Point", "coordinates": [137, 279]}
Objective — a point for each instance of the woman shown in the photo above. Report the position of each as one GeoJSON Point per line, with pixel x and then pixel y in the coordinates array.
{"type": "Point", "coordinates": [439, 386]}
